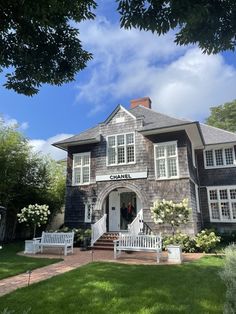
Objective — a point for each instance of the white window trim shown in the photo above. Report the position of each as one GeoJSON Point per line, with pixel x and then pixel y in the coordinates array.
{"type": "Point", "coordinates": [88, 205]}
{"type": "Point", "coordinates": [177, 160]}
{"type": "Point", "coordinates": [214, 159]}
{"type": "Point", "coordinates": [116, 147]}
{"type": "Point", "coordinates": [73, 179]}
{"type": "Point", "coordinates": [226, 187]}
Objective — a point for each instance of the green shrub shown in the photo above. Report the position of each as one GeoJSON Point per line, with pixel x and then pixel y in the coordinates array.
{"type": "Point", "coordinates": [228, 275]}
{"type": "Point", "coordinates": [187, 243]}
{"type": "Point", "coordinates": [206, 241]}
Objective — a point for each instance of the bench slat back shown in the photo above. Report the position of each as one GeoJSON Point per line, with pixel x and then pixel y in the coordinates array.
{"type": "Point", "coordinates": [58, 237]}
{"type": "Point", "coordinates": [140, 241]}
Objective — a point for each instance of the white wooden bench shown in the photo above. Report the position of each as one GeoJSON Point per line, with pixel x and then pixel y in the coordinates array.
{"type": "Point", "coordinates": [56, 239]}
{"type": "Point", "coordinates": [145, 243]}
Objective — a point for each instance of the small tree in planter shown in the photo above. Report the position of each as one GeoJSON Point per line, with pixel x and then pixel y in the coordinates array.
{"type": "Point", "coordinates": [34, 216]}
{"type": "Point", "coordinates": [173, 214]}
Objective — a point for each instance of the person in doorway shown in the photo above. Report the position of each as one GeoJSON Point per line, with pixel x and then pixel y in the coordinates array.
{"type": "Point", "coordinates": [124, 217]}
{"type": "Point", "coordinates": [130, 214]}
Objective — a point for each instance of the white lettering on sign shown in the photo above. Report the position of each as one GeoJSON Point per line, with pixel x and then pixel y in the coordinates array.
{"type": "Point", "coordinates": [122, 176]}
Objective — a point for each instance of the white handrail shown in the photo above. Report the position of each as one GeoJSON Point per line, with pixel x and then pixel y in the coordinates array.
{"type": "Point", "coordinates": [98, 229]}
{"type": "Point", "coordinates": [136, 226]}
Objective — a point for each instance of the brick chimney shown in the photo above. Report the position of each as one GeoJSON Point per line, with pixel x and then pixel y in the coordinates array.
{"type": "Point", "coordinates": [145, 101]}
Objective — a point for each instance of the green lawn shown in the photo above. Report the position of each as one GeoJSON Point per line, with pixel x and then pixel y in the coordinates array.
{"type": "Point", "coordinates": [12, 264]}
{"type": "Point", "coordinates": [114, 288]}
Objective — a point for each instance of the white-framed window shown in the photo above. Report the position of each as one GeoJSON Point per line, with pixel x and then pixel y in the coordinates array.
{"type": "Point", "coordinates": [219, 157]}
{"type": "Point", "coordinates": [121, 149]}
{"type": "Point", "coordinates": [222, 203]}
{"type": "Point", "coordinates": [166, 160]}
{"type": "Point", "coordinates": [197, 198]}
{"type": "Point", "coordinates": [81, 168]}
{"type": "Point", "coordinates": [88, 211]}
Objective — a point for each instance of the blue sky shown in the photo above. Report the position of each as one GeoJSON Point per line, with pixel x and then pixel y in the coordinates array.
{"type": "Point", "coordinates": [181, 82]}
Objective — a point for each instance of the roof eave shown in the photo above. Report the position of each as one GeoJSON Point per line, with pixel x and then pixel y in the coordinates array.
{"type": "Point", "coordinates": [154, 130]}
{"type": "Point", "coordinates": [65, 146]}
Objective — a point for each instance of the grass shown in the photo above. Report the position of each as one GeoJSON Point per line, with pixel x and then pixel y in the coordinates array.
{"type": "Point", "coordinates": [116, 288]}
{"type": "Point", "coordinates": [12, 264]}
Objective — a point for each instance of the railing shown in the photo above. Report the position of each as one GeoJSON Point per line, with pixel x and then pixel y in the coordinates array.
{"type": "Point", "coordinates": [98, 229]}
{"type": "Point", "coordinates": [136, 226]}
{"type": "Point", "coordinates": [147, 229]}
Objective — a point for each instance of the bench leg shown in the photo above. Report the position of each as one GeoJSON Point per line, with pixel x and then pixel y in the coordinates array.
{"type": "Point", "coordinates": [115, 255]}
{"type": "Point", "coordinates": [65, 250]}
{"type": "Point", "coordinates": [158, 256]}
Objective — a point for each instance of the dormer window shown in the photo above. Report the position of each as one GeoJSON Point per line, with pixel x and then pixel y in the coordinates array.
{"type": "Point", "coordinates": [120, 149]}
{"type": "Point", "coordinates": [219, 157]}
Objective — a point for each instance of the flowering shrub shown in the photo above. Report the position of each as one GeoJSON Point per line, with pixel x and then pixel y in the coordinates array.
{"type": "Point", "coordinates": [206, 240]}
{"type": "Point", "coordinates": [34, 215]}
{"type": "Point", "coordinates": [168, 212]}
{"type": "Point", "coordinates": [228, 275]}
{"type": "Point", "coordinates": [187, 243]}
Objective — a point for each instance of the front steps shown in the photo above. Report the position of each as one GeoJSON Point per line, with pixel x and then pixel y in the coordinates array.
{"type": "Point", "coordinates": [105, 242]}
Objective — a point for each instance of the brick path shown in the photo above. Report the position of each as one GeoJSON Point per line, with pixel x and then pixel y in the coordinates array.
{"type": "Point", "coordinates": [76, 260]}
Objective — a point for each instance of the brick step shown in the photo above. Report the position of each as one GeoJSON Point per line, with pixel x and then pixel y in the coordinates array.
{"type": "Point", "coordinates": [102, 243]}
{"type": "Point", "coordinates": [105, 248]}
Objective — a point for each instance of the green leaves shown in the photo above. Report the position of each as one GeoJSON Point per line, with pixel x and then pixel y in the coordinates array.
{"type": "Point", "coordinates": [39, 43]}
{"type": "Point", "coordinates": [223, 116]}
{"type": "Point", "coordinates": [210, 24]}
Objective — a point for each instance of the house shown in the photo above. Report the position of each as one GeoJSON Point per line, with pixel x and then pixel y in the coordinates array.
{"type": "Point", "coordinates": [140, 155]}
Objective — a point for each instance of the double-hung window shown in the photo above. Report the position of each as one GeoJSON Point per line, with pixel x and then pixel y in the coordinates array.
{"type": "Point", "coordinates": [222, 203]}
{"type": "Point", "coordinates": [219, 157]}
{"type": "Point", "coordinates": [120, 149]}
{"type": "Point", "coordinates": [166, 160]}
{"type": "Point", "coordinates": [81, 168]}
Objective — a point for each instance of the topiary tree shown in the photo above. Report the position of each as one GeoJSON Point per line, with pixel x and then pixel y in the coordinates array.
{"type": "Point", "coordinates": [34, 216]}
{"type": "Point", "coordinates": [168, 212]}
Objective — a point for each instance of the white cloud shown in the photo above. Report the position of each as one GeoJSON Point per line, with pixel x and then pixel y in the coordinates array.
{"type": "Point", "coordinates": [180, 80]}
{"type": "Point", "coordinates": [11, 122]}
{"type": "Point", "coordinates": [45, 146]}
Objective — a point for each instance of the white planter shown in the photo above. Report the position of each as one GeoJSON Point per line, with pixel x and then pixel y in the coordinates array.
{"type": "Point", "coordinates": [31, 247]}
{"type": "Point", "coordinates": [174, 253]}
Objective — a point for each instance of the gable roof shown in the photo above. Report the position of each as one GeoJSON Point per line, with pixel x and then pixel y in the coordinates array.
{"type": "Point", "coordinates": [152, 120]}
{"type": "Point", "coordinates": [88, 136]}
{"type": "Point", "coordinates": [156, 120]}
{"type": "Point", "coordinates": [213, 135]}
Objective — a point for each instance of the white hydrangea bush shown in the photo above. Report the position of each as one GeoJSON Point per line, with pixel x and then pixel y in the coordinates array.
{"type": "Point", "coordinates": [168, 212]}
{"type": "Point", "coordinates": [34, 215]}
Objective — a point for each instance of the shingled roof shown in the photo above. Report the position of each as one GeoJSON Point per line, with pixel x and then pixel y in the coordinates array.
{"type": "Point", "coordinates": [153, 120]}
{"type": "Point", "coordinates": [214, 135]}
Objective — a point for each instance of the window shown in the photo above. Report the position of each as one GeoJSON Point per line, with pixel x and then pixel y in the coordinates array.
{"type": "Point", "coordinates": [120, 149]}
{"type": "Point", "coordinates": [166, 160]}
{"type": "Point", "coordinates": [222, 203]}
{"type": "Point", "coordinates": [81, 168]}
{"type": "Point", "coordinates": [220, 157]}
{"type": "Point", "coordinates": [88, 211]}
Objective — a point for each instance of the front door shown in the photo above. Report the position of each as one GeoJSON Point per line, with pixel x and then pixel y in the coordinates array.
{"type": "Point", "coordinates": [114, 211]}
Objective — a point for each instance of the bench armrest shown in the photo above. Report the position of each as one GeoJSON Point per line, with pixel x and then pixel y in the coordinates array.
{"type": "Point", "coordinates": [37, 239]}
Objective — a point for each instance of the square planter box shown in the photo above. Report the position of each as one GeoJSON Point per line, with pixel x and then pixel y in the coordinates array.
{"type": "Point", "coordinates": [31, 247]}
{"type": "Point", "coordinates": [174, 254]}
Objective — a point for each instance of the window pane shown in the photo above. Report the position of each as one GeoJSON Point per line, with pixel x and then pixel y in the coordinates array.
{"type": "Point", "coordinates": [234, 210]}
{"type": "Point", "coordinates": [85, 174]}
{"type": "Point", "coordinates": [130, 154]}
{"type": "Point", "coordinates": [77, 175]}
{"type": "Point", "coordinates": [209, 158]}
{"type": "Point", "coordinates": [171, 150]}
{"type": "Point", "coordinates": [111, 156]}
{"type": "Point", "coordinates": [225, 210]}
{"type": "Point", "coordinates": [219, 157]}
{"type": "Point", "coordinates": [215, 211]}
{"type": "Point", "coordinates": [233, 194]}
{"type": "Point", "coordinates": [77, 160]}
{"type": "Point", "coordinates": [121, 155]}
{"type": "Point", "coordinates": [86, 160]}
{"type": "Point", "coordinates": [129, 138]}
{"type": "Point", "coordinates": [223, 195]}
{"type": "Point", "coordinates": [229, 159]}
{"type": "Point", "coordinates": [120, 140]}
{"type": "Point", "coordinates": [160, 151]}
{"type": "Point", "coordinates": [172, 167]}
{"type": "Point", "coordinates": [111, 141]}
{"type": "Point", "coordinates": [213, 194]}
{"type": "Point", "coordinates": [161, 168]}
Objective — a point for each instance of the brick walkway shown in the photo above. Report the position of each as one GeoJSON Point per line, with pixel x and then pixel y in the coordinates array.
{"type": "Point", "coordinates": [78, 259]}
